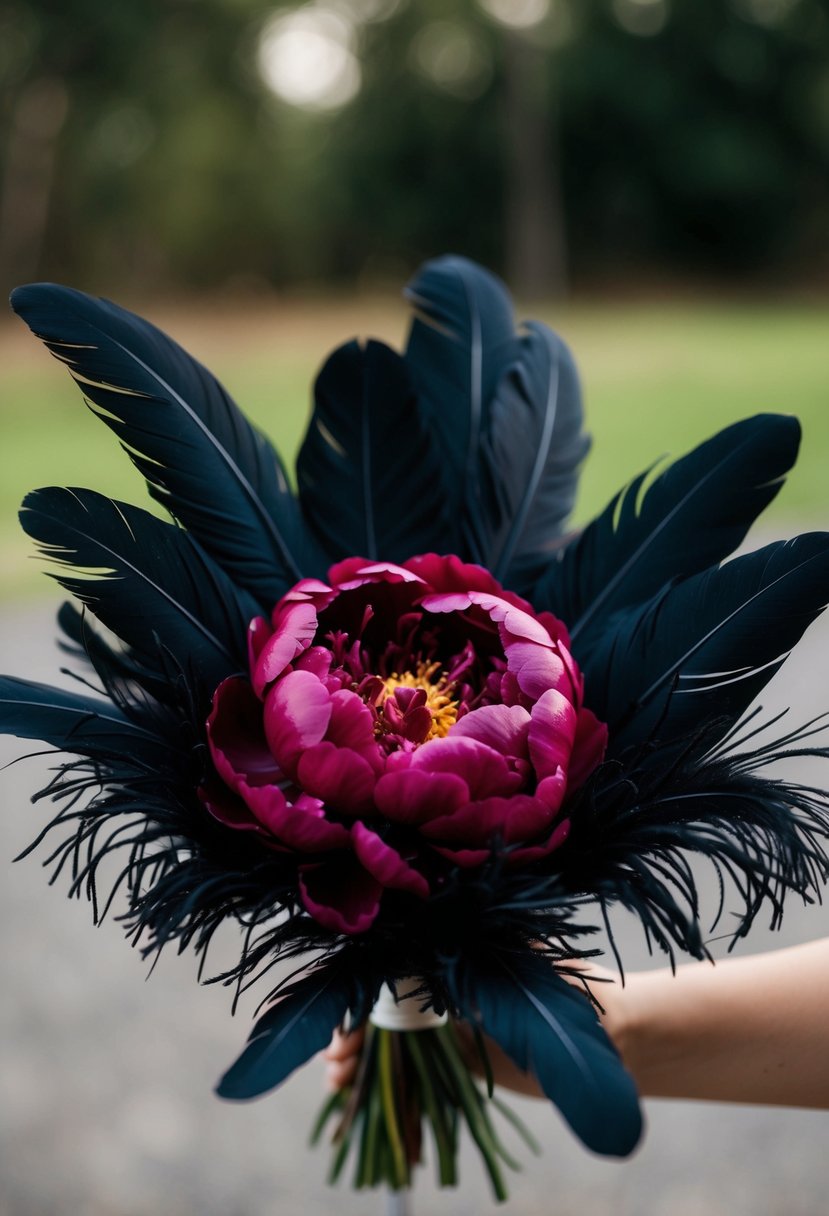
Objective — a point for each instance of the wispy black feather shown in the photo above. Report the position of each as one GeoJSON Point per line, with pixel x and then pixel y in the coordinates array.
{"type": "Point", "coordinates": [704, 647]}
{"type": "Point", "coordinates": [202, 459]}
{"type": "Point", "coordinates": [368, 451]}
{"type": "Point", "coordinates": [146, 580]}
{"type": "Point", "coordinates": [692, 516]}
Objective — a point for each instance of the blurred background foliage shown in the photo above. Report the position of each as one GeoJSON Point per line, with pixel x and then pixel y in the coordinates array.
{"type": "Point", "coordinates": [179, 144]}
{"type": "Point", "coordinates": [260, 178]}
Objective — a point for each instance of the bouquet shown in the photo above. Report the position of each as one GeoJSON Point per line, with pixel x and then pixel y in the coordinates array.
{"type": "Point", "coordinates": [399, 725]}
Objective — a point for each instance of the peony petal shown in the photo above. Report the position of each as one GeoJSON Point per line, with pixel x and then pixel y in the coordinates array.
{"type": "Point", "coordinates": [236, 737]}
{"type": "Point", "coordinates": [258, 633]}
{"type": "Point", "coordinates": [485, 772]}
{"type": "Point", "coordinates": [537, 669]}
{"type": "Point", "coordinates": [412, 796]}
{"type": "Point", "coordinates": [536, 852]}
{"type": "Point", "coordinates": [352, 727]}
{"type": "Point", "coordinates": [551, 734]}
{"type": "Point", "coordinates": [340, 895]}
{"type": "Point", "coordinates": [449, 573]}
{"type": "Point", "coordinates": [502, 727]}
{"type": "Point", "coordinates": [296, 626]}
{"type": "Point", "coordinates": [385, 864]}
{"type": "Point", "coordinates": [357, 571]}
{"type": "Point", "coordinates": [341, 778]}
{"type": "Point", "coordinates": [228, 808]}
{"type": "Point", "coordinates": [552, 789]}
{"type": "Point", "coordinates": [296, 716]}
{"type": "Point", "coordinates": [513, 820]}
{"type": "Point", "coordinates": [589, 748]}
{"type": "Point", "coordinates": [304, 829]}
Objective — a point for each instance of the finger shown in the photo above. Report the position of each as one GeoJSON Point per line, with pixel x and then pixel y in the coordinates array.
{"type": "Point", "coordinates": [345, 1046]}
{"type": "Point", "coordinates": [339, 1074]}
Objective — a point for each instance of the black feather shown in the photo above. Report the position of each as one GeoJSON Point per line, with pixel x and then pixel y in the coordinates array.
{"type": "Point", "coordinates": [461, 341]}
{"type": "Point", "coordinates": [532, 453]}
{"type": "Point", "coordinates": [202, 459]}
{"type": "Point", "coordinates": [298, 1026]}
{"type": "Point", "coordinates": [368, 451]}
{"type": "Point", "coordinates": [73, 722]}
{"type": "Point", "coordinates": [146, 580]}
{"type": "Point", "coordinates": [549, 1028]}
{"type": "Point", "coordinates": [692, 516]}
{"type": "Point", "coordinates": [703, 648]}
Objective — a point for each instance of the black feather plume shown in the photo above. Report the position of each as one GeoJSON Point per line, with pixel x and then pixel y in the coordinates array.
{"type": "Point", "coordinates": [690, 517]}
{"type": "Point", "coordinates": [703, 648]}
{"type": "Point", "coordinates": [368, 450]}
{"type": "Point", "coordinates": [146, 580]}
{"type": "Point", "coordinates": [202, 459]}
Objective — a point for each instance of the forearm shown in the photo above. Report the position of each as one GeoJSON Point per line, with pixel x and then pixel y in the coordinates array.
{"type": "Point", "coordinates": [744, 1030]}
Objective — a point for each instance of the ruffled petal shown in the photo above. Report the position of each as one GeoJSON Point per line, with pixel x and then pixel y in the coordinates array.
{"type": "Point", "coordinates": [297, 713]}
{"type": "Point", "coordinates": [413, 796]}
{"type": "Point", "coordinates": [552, 732]}
{"type": "Point", "coordinates": [342, 779]}
{"type": "Point", "coordinates": [512, 820]}
{"type": "Point", "coordinates": [589, 747]}
{"type": "Point", "coordinates": [295, 629]}
{"type": "Point", "coordinates": [502, 727]}
{"type": "Point", "coordinates": [385, 864]}
{"type": "Point", "coordinates": [341, 896]}
{"type": "Point", "coordinates": [485, 772]}
{"type": "Point", "coordinates": [302, 827]}
{"type": "Point", "coordinates": [236, 736]}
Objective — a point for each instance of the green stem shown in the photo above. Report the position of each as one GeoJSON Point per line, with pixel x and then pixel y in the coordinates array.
{"type": "Point", "coordinates": [434, 1112]}
{"type": "Point", "coordinates": [386, 1074]}
{"type": "Point", "coordinates": [470, 1102]}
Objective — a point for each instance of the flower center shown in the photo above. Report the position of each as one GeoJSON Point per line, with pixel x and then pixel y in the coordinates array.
{"type": "Point", "coordinates": [439, 702]}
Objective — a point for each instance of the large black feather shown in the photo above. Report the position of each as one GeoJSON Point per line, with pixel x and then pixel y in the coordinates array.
{"type": "Point", "coordinates": [692, 516]}
{"type": "Point", "coordinates": [74, 722]}
{"type": "Point", "coordinates": [146, 580]}
{"type": "Point", "coordinates": [368, 451]}
{"type": "Point", "coordinates": [549, 1028]}
{"type": "Point", "coordinates": [202, 459]}
{"type": "Point", "coordinates": [703, 648]}
{"type": "Point", "coordinates": [298, 1026]}
{"type": "Point", "coordinates": [461, 341]}
{"type": "Point", "coordinates": [532, 453]}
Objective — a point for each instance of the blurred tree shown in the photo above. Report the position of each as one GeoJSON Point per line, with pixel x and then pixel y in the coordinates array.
{"type": "Point", "coordinates": [166, 143]}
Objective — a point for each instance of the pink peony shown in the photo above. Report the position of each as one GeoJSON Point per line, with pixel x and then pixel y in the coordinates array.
{"type": "Point", "coordinates": [399, 720]}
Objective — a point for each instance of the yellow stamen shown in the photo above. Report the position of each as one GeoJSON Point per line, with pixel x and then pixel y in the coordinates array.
{"type": "Point", "coordinates": [439, 701]}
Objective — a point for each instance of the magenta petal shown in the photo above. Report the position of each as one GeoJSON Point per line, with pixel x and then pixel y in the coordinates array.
{"type": "Point", "coordinates": [589, 748]}
{"type": "Point", "coordinates": [502, 727]}
{"type": "Point", "coordinates": [482, 768]}
{"type": "Point", "coordinates": [341, 895]}
{"type": "Point", "coordinates": [341, 778]}
{"type": "Point", "coordinates": [552, 789]}
{"type": "Point", "coordinates": [227, 808]}
{"type": "Point", "coordinates": [258, 633]}
{"type": "Point", "coordinates": [535, 852]}
{"type": "Point", "coordinates": [385, 863]}
{"type": "Point", "coordinates": [236, 739]}
{"type": "Point", "coordinates": [295, 629]}
{"type": "Point", "coordinates": [537, 668]}
{"type": "Point", "coordinates": [409, 795]}
{"type": "Point", "coordinates": [304, 829]}
{"type": "Point", "coordinates": [297, 713]}
{"type": "Point", "coordinates": [512, 819]}
{"type": "Point", "coordinates": [551, 734]}
{"type": "Point", "coordinates": [352, 727]}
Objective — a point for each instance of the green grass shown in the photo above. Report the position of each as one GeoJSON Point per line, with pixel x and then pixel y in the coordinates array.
{"type": "Point", "coordinates": [657, 378]}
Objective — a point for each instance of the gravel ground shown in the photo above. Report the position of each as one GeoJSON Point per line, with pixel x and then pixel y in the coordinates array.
{"type": "Point", "coordinates": [105, 1081]}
